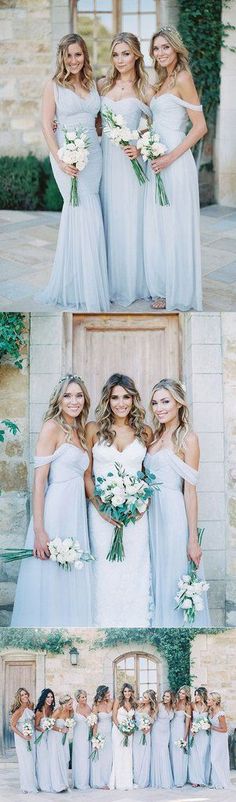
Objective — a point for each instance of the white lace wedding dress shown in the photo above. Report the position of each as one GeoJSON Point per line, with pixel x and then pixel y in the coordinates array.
{"type": "Point", "coordinates": [122, 769]}
{"type": "Point", "coordinates": [121, 589]}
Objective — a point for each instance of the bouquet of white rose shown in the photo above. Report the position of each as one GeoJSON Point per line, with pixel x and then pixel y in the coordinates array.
{"type": "Point", "coordinates": [97, 744]}
{"type": "Point", "coordinates": [182, 744]}
{"type": "Point", "coordinates": [123, 497]}
{"type": "Point", "coordinates": [144, 727]}
{"type": "Point", "coordinates": [47, 724]}
{"type": "Point", "coordinates": [69, 724]}
{"type": "Point", "coordinates": [127, 727]}
{"type": "Point", "coordinates": [200, 723]}
{"type": "Point", "coordinates": [150, 147]}
{"type": "Point", "coordinates": [28, 731]}
{"type": "Point", "coordinates": [117, 130]}
{"type": "Point", "coordinates": [91, 721]}
{"type": "Point", "coordinates": [67, 553]}
{"type": "Point", "coordinates": [75, 152]}
{"type": "Point", "coordinates": [189, 596]}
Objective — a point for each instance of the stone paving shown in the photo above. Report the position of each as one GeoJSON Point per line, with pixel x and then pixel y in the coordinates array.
{"type": "Point", "coordinates": [10, 792]}
{"type": "Point", "coordinates": [27, 247]}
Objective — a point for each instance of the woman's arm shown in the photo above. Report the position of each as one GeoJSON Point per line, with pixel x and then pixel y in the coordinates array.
{"type": "Point", "coordinates": [46, 445]}
{"type": "Point", "coordinates": [192, 454]}
{"type": "Point", "coordinates": [48, 114]}
{"type": "Point", "coordinates": [13, 724]}
{"type": "Point", "coordinates": [187, 91]}
{"type": "Point", "coordinates": [222, 725]}
{"type": "Point", "coordinates": [38, 716]}
{"type": "Point", "coordinates": [114, 712]}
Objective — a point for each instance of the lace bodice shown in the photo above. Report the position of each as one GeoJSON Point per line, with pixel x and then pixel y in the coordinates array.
{"type": "Point", "coordinates": [105, 456]}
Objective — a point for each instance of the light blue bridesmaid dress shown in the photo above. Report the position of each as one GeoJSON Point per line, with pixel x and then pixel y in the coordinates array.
{"type": "Point", "coordinates": [59, 755]}
{"type": "Point", "coordinates": [79, 275]}
{"type": "Point", "coordinates": [172, 258]}
{"type": "Point", "coordinates": [219, 774]}
{"type": "Point", "coordinates": [161, 774]}
{"type": "Point", "coordinates": [46, 594]}
{"type": "Point", "coordinates": [141, 755]}
{"type": "Point", "coordinates": [100, 771]}
{"type": "Point", "coordinates": [168, 531]}
{"type": "Point", "coordinates": [179, 758]}
{"type": "Point", "coordinates": [80, 753]}
{"type": "Point", "coordinates": [42, 762]}
{"type": "Point", "coordinates": [199, 755]}
{"type": "Point", "coordinates": [122, 204]}
{"type": "Point", "coordinates": [26, 757]}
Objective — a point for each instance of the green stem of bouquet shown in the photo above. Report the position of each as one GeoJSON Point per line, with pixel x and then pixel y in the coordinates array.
{"type": "Point", "coordinates": [160, 193]}
{"type": "Point", "coordinates": [74, 197]}
{"type": "Point", "coordinates": [143, 739]}
{"type": "Point", "coordinates": [116, 552]}
{"type": "Point", "coordinates": [29, 747]}
{"type": "Point", "coordinates": [64, 737]}
{"type": "Point", "coordinates": [39, 738]}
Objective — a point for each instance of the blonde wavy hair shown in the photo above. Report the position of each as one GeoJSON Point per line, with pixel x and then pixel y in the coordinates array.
{"type": "Point", "coordinates": [62, 75]}
{"type": "Point", "coordinates": [54, 410]}
{"type": "Point", "coordinates": [141, 78]}
{"type": "Point", "coordinates": [80, 693]}
{"type": "Point", "coordinates": [65, 699]}
{"type": "Point", "coordinates": [177, 391]}
{"type": "Point", "coordinates": [152, 699]}
{"type": "Point", "coordinates": [104, 414]}
{"type": "Point", "coordinates": [16, 704]}
{"type": "Point", "coordinates": [216, 697]}
{"type": "Point", "coordinates": [187, 691]}
{"type": "Point", "coordinates": [174, 39]}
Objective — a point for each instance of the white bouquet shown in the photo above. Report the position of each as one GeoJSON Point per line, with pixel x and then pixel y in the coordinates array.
{"type": "Point", "coordinates": [199, 724]}
{"type": "Point", "coordinates": [150, 148]}
{"type": "Point", "coordinates": [127, 727]}
{"type": "Point", "coordinates": [117, 130]}
{"type": "Point", "coordinates": [123, 497]}
{"type": "Point", "coordinates": [67, 553]}
{"type": "Point", "coordinates": [144, 727]}
{"type": "Point", "coordinates": [97, 744]}
{"type": "Point", "coordinates": [91, 721]}
{"type": "Point", "coordinates": [75, 152]}
{"type": "Point", "coordinates": [28, 732]}
{"type": "Point", "coordinates": [47, 724]}
{"type": "Point", "coordinates": [69, 724]}
{"type": "Point", "coordinates": [189, 595]}
{"type": "Point", "coordinates": [182, 744]}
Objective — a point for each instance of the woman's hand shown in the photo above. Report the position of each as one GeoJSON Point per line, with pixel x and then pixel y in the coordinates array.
{"type": "Point", "coordinates": [109, 520]}
{"type": "Point", "coordinates": [131, 151]}
{"type": "Point", "coordinates": [69, 169]}
{"type": "Point", "coordinates": [161, 163]}
{"type": "Point", "coordinates": [41, 549]}
{"type": "Point", "coordinates": [194, 552]}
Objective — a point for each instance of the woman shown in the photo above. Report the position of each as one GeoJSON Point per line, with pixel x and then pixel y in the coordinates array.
{"type": "Point", "coordinates": [22, 714]}
{"type": "Point", "coordinates": [81, 747]}
{"type": "Point", "coordinates": [44, 709]}
{"type": "Point", "coordinates": [122, 771]}
{"type": "Point", "coordinates": [179, 732]}
{"type": "Point", "coordinates": [101, 768]}
{"type": "Point", "coordinates": [119, 436]}
{"type": "Point", "coordinates": [199, 754]}
{"type": "Point", "coordinates": [58, 744]}
{"type": "Point", "coordinates": [124, 91]}
{"type": "Point", "coordinates": [142, 751]}
{"type": "Point", "coordinates": [174, 457]}
{"type": "Point", "coordinates": [172, 233]}
{"type": "Point", "coordinates": [161, 774]}
{"type": "Point", "coordinates": [57, 597]}
{"type": "Point", "coordinates": [219, 757]}
{"type": "Point", "coordinates": [79, 276]}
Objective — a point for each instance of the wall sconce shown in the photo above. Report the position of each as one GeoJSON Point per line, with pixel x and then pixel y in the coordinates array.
{"type": "Point", "coordinates": [74, 655]}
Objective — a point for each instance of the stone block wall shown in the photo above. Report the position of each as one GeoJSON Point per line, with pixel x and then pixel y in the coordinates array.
{"type": "Point", "coordinates": [213, 665]}
{"type": "Point", "coordinates": [229, 383]}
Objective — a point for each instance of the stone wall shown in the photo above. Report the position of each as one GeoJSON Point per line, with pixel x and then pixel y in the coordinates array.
{"type": "Point", "coordinates": [225, 151]}
{"type": "Point", "coordinates": [213, 665]}
{"type": "Point", "coordinates": [229, 383]}
{"type": "Point", "coordinates": [14, 463]}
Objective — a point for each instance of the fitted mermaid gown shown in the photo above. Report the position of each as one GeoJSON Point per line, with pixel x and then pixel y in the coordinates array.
{"type": "Point", "coordinates": [220, 774]}
{"type": "Point", "coordinates": [141, 755]}
{"type": "Point", "coordinates": [26, 757]}
{"type": "Point", "coordinates": [172, 258]}
{"type": "Point", "coordinates": [79, 274]}
{"type": "Point", "coordinates": [168, 532]}
{"type": "Point", "coordinates": [101, 768]}
{"type": "Point", "coordinates": [199, 754]}
{"type": "Point", "coordinates": [121, 589]}
{"type": "Point", "coordinates": [80, 753]}
{"type": "Point", "coordinates": [59, 756]}
{"type": "Point", "coordinates": [122, 200]}
{"type": "Point", "coordinates": [161, 774]}
{"type": "Point", "coordinates": [122, 770]}
{"type": "Point", "coordinates": [47, 595]}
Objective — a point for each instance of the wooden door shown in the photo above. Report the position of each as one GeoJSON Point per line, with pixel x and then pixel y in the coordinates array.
{"type": "Point", "coordinates": [18, 674]}
{"type": "Point", "coordinates": [145, 347]}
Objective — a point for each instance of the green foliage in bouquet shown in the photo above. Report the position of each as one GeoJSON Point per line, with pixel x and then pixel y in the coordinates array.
{"type": "Point", "coordinates": [12, 339]}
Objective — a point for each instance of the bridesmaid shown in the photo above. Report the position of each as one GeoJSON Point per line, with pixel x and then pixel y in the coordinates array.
{"type": "Point", "coordinates": [142, 752]}
{"type": "Point", "coordinates": [79, 275]}
{"type": "Point", "coordinates": [172, 257]}
{"type": "Point", "coordinates": [58, 747]}
{"type": "Point", "coordinates": [119, 435]}
{"type": "Point", "coordinates": [44, 709]}
{"type": "Point", "coordinates": [122, 771]}
{"type": "Point", "coordinates": [174, 458]}
{"type": "Point", "coordinates": [179, 731]}
{"type": "Point", "coordinates": [161, 774]}
{"type": "Point", "coordinates": [81, 746]}
{"type": "Point", "coordinates": [220, 774]}
{"type": "Point", "coordinates": [22, 713]}
{"type": "Point", "coordinates": [57, 597]}
{"type": "Point", "coordinates": [124, 91]}
{"type": "Point", "coordinates": [199, 753]}
{"type": "Point", "coordinates": [101, 768]}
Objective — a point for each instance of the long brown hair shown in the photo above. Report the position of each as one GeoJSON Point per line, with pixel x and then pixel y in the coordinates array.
{"type": "Point", "coordinates": [104, 414]}
{"type": "Point", "coordinates": [121, 697]}
{"type": "Point", "coordinates": [62, 75]}
{"type": "Point", "coordinates": [177, 391]}
{"type": "Point", "coordinates": [174, 39]}
{"type": "Point", "coordinates": [141, 78]}
{"type": "Point", "coordinates": [16, 704]}
{"type": "Point", "coordinates": [54, 410]}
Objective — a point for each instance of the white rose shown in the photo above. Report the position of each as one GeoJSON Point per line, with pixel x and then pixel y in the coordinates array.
{"type": "Point", "coordinates": [119, 120]}
{"type": "Point", "coordinates": [78, 565]}
{"type": "Point", "coordinates": [71, 135]}
{"type": "Point", "coordinates": [70, 146]}
{"type": "Point", "coordinates": [69, 157]}
{"type": "Point", "coordinates": [186, 604]}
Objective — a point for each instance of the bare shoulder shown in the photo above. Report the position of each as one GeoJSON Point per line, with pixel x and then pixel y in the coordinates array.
{"type": "Point", "coordinates": [49, 431]}
{"type": "Point", "coordinates": [191, 450]}
{"type": "Point", "coordinates": [91, 431]}
{"type": "Point", "coordinates": [149, 435]}
{"type": "Point", "coordinates": [100, 84]}
{"type": "Point", "coordinates": [191, 441]}
{"type": "Point", "coordinates": [49, 86]}
{"type": "Point", "coordinates": [149, 93]}
{"type": "Point", "coordinates": [186, 87]}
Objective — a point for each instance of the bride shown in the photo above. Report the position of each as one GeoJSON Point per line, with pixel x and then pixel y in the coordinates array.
{"type": "Point", "coordinates": [122, 770]}
{"type": "Point", "coordinates": [119, 436]}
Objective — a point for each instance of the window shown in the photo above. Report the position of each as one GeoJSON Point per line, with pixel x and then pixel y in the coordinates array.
{"type": "Point", "coordinates": [140, 670]}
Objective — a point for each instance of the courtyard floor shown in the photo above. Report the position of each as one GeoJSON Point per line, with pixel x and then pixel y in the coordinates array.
{"type": "Point", "coordinates": [27, 247]}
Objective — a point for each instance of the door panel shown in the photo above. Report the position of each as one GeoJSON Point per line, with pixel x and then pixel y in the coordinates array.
{"type": "Point", "coordinates": [17, 675]}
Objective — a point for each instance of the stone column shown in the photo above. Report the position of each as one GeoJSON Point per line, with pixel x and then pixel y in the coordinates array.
{"type": "Point", "coordinates": [169, 12]}
{"type": "Point", "coordinates": [225, 147]}
{"type": "Point", "coordinates": [213, 665]}
{"type": "Point", "coordinates": [229, 383]}
{"type": "Point", "coordinates": [61, 23]}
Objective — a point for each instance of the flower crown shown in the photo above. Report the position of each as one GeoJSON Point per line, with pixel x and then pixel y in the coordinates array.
{"type": "Point", "coordinates": [70, 376]}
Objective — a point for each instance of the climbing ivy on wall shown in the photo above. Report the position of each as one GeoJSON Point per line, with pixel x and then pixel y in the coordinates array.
{"type": "Point", "coordinates": [52, 642]}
